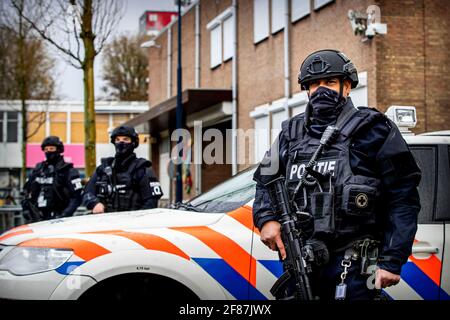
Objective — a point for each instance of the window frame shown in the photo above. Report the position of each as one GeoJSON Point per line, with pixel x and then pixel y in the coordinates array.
{"type": "Point", "coordinates": [2, 126]}
{"type": "Point", "coordinates": [217, 24]}
{"type": "Point", "coordinates": [437, 149]}
{"type": "Point", "coordinates": [442, 212]}
{"type": "Point", "coordinates": [216, 61]}
{"type": "Point", "coordinates": [265, 32]}
{"type": "Point", "coordinates": [300, 15]}
{"type": "Point", "coordinates": [319, 4]}
{"type": "Point", "coordinates": [8, 121]}
{"type": "Point", "coordinates": [227, 57]}
{"type": "Point", "coordinates": [275, 28]}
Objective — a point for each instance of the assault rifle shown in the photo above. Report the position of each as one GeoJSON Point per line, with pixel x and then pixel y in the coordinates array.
{"type": "Point", "coordinates": [298, 256]}
{"type": "Point", "coordinates": [34, 214]}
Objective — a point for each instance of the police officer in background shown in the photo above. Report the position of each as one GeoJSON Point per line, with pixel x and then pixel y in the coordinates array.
{"type": "Point", "coordinates": [54, 187]}
{"type": "Point", "coordinates": [361, 196]}
{"type": "Point", "coordinates": [123, 182]}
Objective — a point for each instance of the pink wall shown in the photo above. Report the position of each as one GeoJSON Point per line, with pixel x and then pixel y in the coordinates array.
{"type": "Point", "coordinates": [73, 153]}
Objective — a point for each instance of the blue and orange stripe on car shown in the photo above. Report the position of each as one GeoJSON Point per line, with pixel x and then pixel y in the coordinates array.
{"type": "Point", "coordinates": [148, 241]}
{"type": "Point", "coordinates": [424, 277]}
{"type": "Point", "coordinates": [234, 255]}
{"type": "Point", "coordinates": [84, 249]}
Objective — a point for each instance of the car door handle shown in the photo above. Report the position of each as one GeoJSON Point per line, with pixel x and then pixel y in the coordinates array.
{"type": "Point", "coordinates": [424, 249]}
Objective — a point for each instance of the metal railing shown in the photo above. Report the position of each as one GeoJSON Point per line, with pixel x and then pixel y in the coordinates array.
{"type": "Point", "coordinates": [10, 216]}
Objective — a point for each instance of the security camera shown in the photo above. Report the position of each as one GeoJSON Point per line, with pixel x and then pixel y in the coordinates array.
{"type": "Point", "coordinates": [149, 44]}
{"type": "Point", "coordinates": [367, 24]}
{"type": "Point", "coordinates": [357, 22]}
{"type": "Point", "coordinates": [376, 28]}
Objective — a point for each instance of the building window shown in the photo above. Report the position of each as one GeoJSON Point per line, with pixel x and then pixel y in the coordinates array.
{"type": "Point", "coordinates": [77, 127]}
{"type": "Point", "coordinates": [228, 38]}
{"type": "Point", "coordinates": [119, 119]}
{"type": "Point", "coordinates": [101, 128]}
{"type": "Point", "coordinates": [260, 20]}
{"type": "Point", "coordinates": [152, 17]}
{"type": "Point", "coordinates": [12, 126]}
{"type": "Point", "coordinates": [222, 36]}
{"type": "Point", "coordinates": [216, 46]}
{"type": "Point", "coordinates": [278, 10]}
{"type": "Point", "coordinates": [2, 114]}
{"type": "Point", "coordinates": [320, 3]}
{"type": "Point", "coordinates": [35, 127]}
{"type": "Point", "coordinates": [299, 9]}
{"type": "Point", "coordinates": [263, 12]}
{"type": "Point", "coordinates": [262, 131]}
{"type": "Point", "coordinates": [58, 125]}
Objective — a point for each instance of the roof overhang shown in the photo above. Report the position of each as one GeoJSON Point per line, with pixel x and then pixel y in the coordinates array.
{"type": "Point", "coordinates": [163, 115]}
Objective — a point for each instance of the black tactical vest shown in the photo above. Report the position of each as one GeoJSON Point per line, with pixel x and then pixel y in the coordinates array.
{"type": "Point", "coordinates": [119, 191]}
{"type": "Point", "coordinates": [49, 187]}
{"type": "Point", "coordinates": [343, 204]}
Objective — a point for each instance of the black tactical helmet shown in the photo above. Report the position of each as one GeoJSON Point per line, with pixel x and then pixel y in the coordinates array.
{"type": "Point", "coordinates": [326, 64]}
{"type": "Point", "coordinates": [125, 131]}
{"type": "Point", "coordinates": [53, 141]}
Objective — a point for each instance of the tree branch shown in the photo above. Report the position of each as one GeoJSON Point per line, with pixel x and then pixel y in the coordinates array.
{"type": "Point", "coordinates": [44, 36]}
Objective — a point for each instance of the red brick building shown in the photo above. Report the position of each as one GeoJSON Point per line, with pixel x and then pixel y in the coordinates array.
{"type": "Point", "coordinates": [153, 21]}
{"type": "Point", "coordinates": [409, 65]}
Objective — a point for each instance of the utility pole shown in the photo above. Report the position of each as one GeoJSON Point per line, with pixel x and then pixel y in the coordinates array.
{"type": "Point", "coordinates": [179, 110]}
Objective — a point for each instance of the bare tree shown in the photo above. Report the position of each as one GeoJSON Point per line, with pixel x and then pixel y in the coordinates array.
{"type": "Point", "coordinates": [125, 68]}
{"type": "Point", "coordinates": [27, 69]}
{"type": "Point", "coordinates": [78, 29]}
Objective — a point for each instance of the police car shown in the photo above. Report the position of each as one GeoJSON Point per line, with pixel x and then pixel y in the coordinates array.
{"type": "Point", "coordinates": [207, 248]}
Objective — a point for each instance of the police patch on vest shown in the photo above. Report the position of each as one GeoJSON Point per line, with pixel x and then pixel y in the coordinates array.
{"type": "Point", "coordinates": [155, 188]}
{"type": "Point", "coordinates": [362, 200]}
{"type": "Point", "coordinates": [47, 180]}
{"type": "Point", "coordinates": [121, 188]}
{"type": "Point", "coordinates": [77, 184]}
{"type": "Point", "coordinates": [322, 166]}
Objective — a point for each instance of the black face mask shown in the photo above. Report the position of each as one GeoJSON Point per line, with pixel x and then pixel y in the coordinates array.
{"type": "Point", "coordinates": [326, 105]}
{"type": "Point", "coordinates": [52, 157]}
{"type": "Point", "coordinates": [123, 148]}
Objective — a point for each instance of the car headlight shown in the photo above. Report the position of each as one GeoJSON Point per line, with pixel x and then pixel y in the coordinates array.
{"type": "Point", "coordinates": [27, 260]}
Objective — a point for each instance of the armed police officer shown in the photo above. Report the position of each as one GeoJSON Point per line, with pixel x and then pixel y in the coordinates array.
{"type": "Point", "coordinates": [54, 187]}
{"type": "Point", "coordinates": [123, 182]}
{"type": "Point", "coordinates": [358, 194]}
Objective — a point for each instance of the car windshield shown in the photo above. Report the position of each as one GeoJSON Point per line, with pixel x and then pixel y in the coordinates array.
{"type": "Point", "coordinates": [227, 196]}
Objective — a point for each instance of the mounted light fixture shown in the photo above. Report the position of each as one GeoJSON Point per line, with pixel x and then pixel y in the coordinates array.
{"type": "Point", "coordinates": [367, 24]}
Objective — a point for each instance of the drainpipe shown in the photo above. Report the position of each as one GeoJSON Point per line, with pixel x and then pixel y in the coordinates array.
{"type": "Point", "coordinates": [169, 62]}
{"type": "Point", "coordinates": [198, 146]}
{"type": "Point", "coordinates": [287, 78]}
{"type": "Point", "coordinates": [234, 92]}
{"type": "Point", "coordinates": [197, 45]}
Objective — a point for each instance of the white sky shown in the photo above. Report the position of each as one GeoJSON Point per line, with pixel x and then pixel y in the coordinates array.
{"type": "Point", "coordinates": [70, 80]}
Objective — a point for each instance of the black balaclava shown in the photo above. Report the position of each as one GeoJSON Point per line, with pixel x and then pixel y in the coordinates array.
{"type": "Point", "coordinates": [52, 157]}
{"type": "Point", "coordinates": [123, 151]}
{"type": "Point", "coordinates": [325, 106]}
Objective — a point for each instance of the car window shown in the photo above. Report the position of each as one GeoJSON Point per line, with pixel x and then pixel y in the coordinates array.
{"type": "Point", "coordinates": [443, 186]}
{"type": "Point", "coordinates": [426, 158]}
{"type": "Point", "coordinates": [228, 195]}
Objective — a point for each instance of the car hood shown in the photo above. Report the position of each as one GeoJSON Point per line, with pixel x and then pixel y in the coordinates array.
{"type": "Point", "coordinates": [151, 218]}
